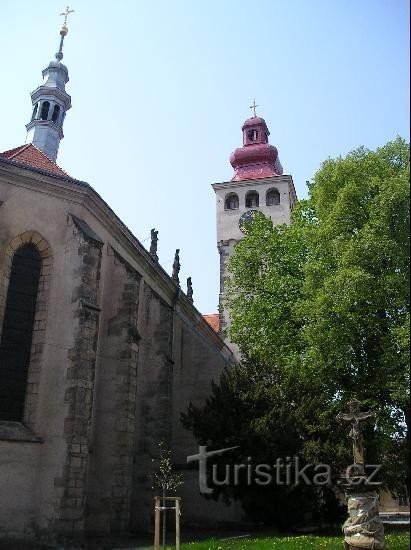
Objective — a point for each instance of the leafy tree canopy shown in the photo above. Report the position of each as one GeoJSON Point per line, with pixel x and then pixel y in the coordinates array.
{"type": "Point", "coordinates": [320, 312]}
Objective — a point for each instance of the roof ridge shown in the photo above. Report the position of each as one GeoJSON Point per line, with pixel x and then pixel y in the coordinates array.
{"type": "Point", "coordinates": [14, 150]}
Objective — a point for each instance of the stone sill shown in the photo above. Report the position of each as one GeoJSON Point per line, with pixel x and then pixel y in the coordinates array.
{"type": "Point", "coordinates": [16, 431]}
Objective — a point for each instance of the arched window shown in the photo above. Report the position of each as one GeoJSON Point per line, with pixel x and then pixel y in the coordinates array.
{"type": "Point", "coordinates": [231, 202]}
{"type": "Point", "coordinates": [16, 336]}
{"type": "Point", "coordinates": [272, 197]}
{"type": "Point", "coordinates": [252, 199]}
{"type": "Point", "coordinates": [56, 112]}
{"type": "Point", "coordinates": [252, 135]}
{"type": "Point", "coordinates": [45, 110]}
{"type": "Point", "coordinates": [33, 116]}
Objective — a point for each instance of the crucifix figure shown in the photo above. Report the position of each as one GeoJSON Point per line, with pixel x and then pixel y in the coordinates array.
{"type": "Point", "coordinates": [253, 106]}
{"type": "Point", "coordinates": [65, 14]}
{"type": "Point", "coordinates": [154, 243]}
{"type": "Point", "coordinates": [356, 418]}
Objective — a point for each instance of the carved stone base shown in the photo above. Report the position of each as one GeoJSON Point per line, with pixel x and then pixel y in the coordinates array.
{"type": "Point", "coordinates": [363, 525]}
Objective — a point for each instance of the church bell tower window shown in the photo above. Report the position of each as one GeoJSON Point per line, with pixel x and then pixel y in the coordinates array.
{"type": "Point", "coordinates": [33, 116]}
{"type": "Point", "coordinates": [252, 135]}
{"type": "Point", "coordinates": [231, 202]}
{"type": "Point", "coordinates": [56, 112]}
{"type": "Point", "coordinates": [45, 110]}
{"type": "Point", "coordinates": [17, 332]}
{"type": "Point", "coordinates": [252, 199]}
{"type": "Point", "coordinates": [273, 197]}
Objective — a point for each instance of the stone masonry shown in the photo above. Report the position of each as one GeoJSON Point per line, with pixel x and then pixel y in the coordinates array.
{"type": "Point", "coordinates": [118, 353]}
{"type": "Point", "coordinates": [86, 257]}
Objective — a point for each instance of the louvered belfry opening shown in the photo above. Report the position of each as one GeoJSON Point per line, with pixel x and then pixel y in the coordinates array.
{"type": "Point", "coordinates": [18, 325]}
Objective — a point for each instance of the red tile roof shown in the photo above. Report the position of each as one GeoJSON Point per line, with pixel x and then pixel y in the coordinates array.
{"type": "Point", "coordinates": [29, 154]}
{"type": "Point", "coordinates": [213, 319]}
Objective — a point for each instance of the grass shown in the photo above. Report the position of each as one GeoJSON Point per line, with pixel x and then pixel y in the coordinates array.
{"type": "Point", "coordinates": [400, 541]}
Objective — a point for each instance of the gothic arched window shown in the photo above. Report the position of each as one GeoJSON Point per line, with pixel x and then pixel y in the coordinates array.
{"type": "Point", "coordinates": [252, 199]}
{"type": "Point", "coordinates": [56, 112]}
{"type": "Point", "coordinates": [45, 110]}
{"type": "Point", "coordinates": [231, 202]}
{"type": "Point", "coordinates": [272, 197]}
{"type": "Point", "coordinates": [17, 332]}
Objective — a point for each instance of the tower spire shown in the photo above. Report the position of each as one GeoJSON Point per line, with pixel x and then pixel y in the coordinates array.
{"type": "Point", "coordinates": [51, 102]}
{"type": "Point", "coordinates": [63, 32]}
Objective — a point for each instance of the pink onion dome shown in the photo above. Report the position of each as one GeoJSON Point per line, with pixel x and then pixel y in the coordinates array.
{"type": "Point", "coordinates": [253, 121]}
{"type": "Point", "coordinates": [256, 158]}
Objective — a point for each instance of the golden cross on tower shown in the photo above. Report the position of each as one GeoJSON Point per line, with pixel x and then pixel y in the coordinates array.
{"type": "Point", "coordinates": [253, 106]}
{"type": "Point", "coordinates": [65, 14]}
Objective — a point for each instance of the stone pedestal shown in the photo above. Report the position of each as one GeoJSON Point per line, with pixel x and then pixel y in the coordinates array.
{"type": "Point", "coordinates": [363, 529]}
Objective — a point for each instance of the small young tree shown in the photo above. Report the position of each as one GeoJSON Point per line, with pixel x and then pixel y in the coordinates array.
{"type": "Point", "coordinates": [165, 479]}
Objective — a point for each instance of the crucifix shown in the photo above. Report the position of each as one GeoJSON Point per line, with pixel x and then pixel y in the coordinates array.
{"type": "Point", "coordinates": [65, 14]}
{"type": "Point", "coordinates": [253, 106]}
{"type": "Point", "coordinates": [356, 418]}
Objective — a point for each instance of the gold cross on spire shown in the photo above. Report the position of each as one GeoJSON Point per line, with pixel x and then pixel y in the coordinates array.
{"type": "Point", "coordinates": [65, 14]}
{"type": "Point", "coordinates": [253, 106]}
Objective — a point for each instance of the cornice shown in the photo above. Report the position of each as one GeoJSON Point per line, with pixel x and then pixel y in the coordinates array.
{"type": "Point", "coordinates": [28, 173]}
{"type": "Point", "coordinates": [284, 178]}
{"type": "Point", "coordinates": [188, 312]}
{"type": "Point", "coordinates": [46, 91]}
{"type": "Point", "coordinates": [38, 122]}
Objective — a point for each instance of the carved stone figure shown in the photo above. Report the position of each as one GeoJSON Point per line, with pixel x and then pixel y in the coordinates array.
{"type": "Point", "coordinates": [176, 267]}
{"type": "Point", "coordinates": [154, 243]}
{"type": "Point", "coordinates": [190, 290]}
{"type": "Point", "coordinates": [356, 418]}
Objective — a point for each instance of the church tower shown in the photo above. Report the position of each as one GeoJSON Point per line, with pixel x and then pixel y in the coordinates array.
{"type": "Point", "coordinates": [258, 185]}
{"type": "Point", "coordinates": [50, 104]}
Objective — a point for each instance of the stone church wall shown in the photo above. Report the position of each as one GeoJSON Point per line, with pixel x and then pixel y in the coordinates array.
{"type": "Point", "coordinates": [118, 353]}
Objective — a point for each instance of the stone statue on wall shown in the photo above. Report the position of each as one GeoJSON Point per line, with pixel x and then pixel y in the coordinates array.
{"type": "Point", "coordinates": [154, 243]}
{"type": "Point", "coordinates": [190, 290]}
{"type": "Point", "coordinates": [176, 267]}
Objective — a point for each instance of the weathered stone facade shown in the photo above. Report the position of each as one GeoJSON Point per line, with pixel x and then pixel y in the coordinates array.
{"type": "Point", "coordinates": [118, 352]}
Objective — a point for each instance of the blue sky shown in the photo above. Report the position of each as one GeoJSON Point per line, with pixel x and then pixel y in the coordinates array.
{"type": "Point", "coordinates": [160, 90]}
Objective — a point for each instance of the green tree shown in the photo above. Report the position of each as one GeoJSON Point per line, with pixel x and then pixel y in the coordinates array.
{"type": "Point", "coordinates": [165, 479]}
{"type": "Point", "coordinates": [320, 311]}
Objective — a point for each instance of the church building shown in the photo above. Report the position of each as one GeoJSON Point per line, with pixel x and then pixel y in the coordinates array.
{"type": "Point", "coordinates": [100, 350]}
